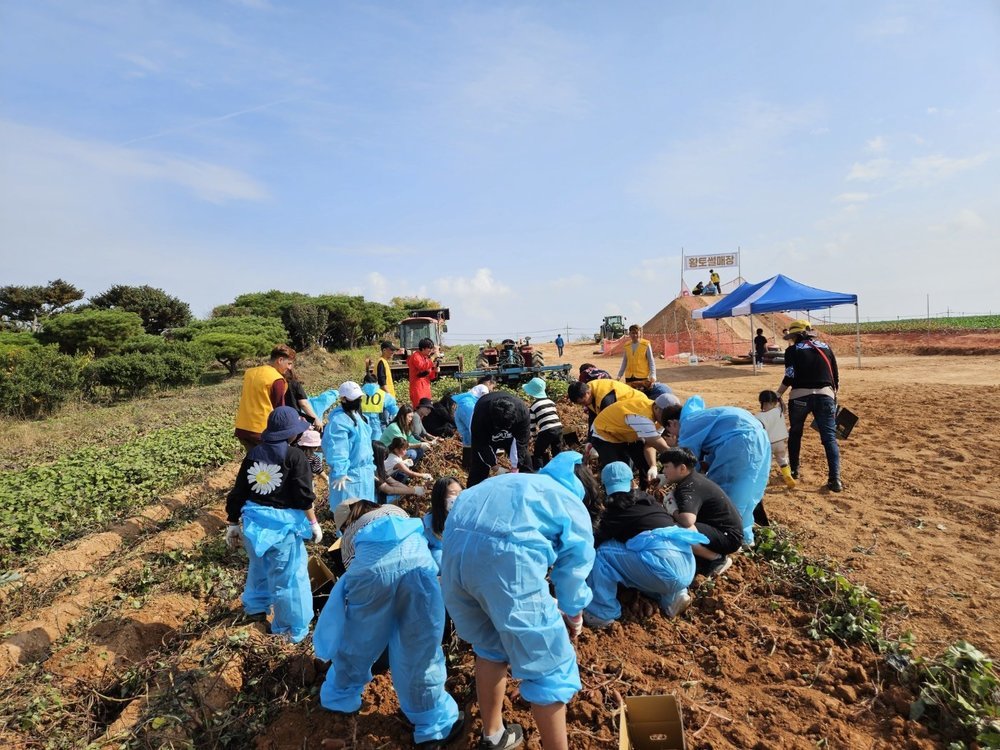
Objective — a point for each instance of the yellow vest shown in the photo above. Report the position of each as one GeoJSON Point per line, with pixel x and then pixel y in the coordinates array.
{"type": "Point", "coordinates": [373, 404]}
{"type": "Point", "coordinates": [716, 279]}
{"type": "Point", "coordinates": [610, 423]}
{"type": "Point", "coordinates": [255, 401]}
{"type": "Point", "coordinates": [389, 386]}
{"type": "Point", "coordinates": [636, 365]}
{"type": "Point", "coordinates": [601, 388]}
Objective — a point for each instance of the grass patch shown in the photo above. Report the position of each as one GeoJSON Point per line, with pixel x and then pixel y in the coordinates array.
{"type": "Point", "coordinates": [962, 323]}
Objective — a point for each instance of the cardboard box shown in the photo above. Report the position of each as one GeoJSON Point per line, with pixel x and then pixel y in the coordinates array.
{"type": "Point", "coordinates": [321, 581]}
{"type": "Point", "coordinates": [651, 722]}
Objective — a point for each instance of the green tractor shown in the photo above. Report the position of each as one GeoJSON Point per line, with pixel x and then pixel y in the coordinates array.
{"type": "Point", "coordinates": [612, 329]}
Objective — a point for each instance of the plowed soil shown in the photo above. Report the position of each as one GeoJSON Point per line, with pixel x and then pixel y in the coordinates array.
{"type": "Point", "coordinates": [160, 656]}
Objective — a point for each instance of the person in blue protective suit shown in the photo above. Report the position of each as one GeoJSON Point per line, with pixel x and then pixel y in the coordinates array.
{"type": "Point", "coordinates": [347, 448]}
{"type": "Point", "coordinates": [273, 498]}
{"type": "Point", "coordinates": [638, 546]}
{"type": "Point", "coordinates": [733, 444]}
{"type": "Point", "coordinates": [500, 540]}
{"type": "Point", "coordinates": [443, 495]}
{"type": "Point", "coordinates": [378, 406]}
{"type": "Point", "coordinates": [465, 405]}
{"type": "Point", "coordinates": [388, 596]}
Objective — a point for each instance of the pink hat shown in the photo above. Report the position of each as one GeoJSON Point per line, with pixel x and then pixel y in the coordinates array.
{"type": "Point", "coordinates": [309, 439]}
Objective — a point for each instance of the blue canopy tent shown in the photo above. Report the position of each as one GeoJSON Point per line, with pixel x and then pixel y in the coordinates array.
{"type": "Point", "coordinates": [779, 294]}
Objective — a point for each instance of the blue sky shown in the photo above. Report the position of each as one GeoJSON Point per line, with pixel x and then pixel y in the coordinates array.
{"type": "Point", "coordinates": [531, 165]}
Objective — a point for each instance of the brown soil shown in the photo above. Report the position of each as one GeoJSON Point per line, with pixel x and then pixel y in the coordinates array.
{"type": "Point", "coordinates": [916, 524]}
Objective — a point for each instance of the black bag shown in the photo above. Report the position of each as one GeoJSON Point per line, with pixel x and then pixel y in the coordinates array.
{"type": "Point", "coordinates": [844, 421]}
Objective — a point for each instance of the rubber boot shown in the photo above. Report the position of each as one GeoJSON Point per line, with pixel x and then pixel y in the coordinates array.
{"type": "Point", "coordinates": [786, 473]}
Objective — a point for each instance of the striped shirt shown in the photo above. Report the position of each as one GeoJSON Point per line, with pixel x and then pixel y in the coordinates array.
{"type": "Point", "coordinates": [544, 415]}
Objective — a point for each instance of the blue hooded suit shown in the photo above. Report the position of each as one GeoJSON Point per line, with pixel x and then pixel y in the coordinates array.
{"type": "Point", "coordinates": [347, 448]}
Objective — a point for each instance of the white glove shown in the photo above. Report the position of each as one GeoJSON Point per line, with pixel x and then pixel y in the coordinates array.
{"type": "Point", "coordinates": [317, 531]}
{"type": "Point", "coordinates": [339, 484]}
{"type": "Point", "coordinates": [425, 446]}
{"type": "Point", "coordinates": [502, 470]}
{"type": "Point", "coordinates": [428, 477]}
{"type": "Point", "coordinates": [408, 462]}
{"type": "Point", "coordinates": [234, 536]}
{"type": "Point", "coordinates": [419, 491]}
{"type": "Point", "coordinates": [651, 474]}
{"type": "Point", "coordinates": [574, 624]}
{"type": "Point", "coordinates": [670, 503]}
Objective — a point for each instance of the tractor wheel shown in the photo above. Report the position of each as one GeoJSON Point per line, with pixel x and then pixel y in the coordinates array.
{"type": "Point", "coordinates": [537, 359]}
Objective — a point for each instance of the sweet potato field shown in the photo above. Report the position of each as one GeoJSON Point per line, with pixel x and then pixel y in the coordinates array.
{"type": "Point", "coordinates": [122, 626]}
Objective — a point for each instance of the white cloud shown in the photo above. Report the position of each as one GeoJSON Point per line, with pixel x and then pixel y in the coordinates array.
{"type": "Point", "coordinates": [852, 197]}
{"type": "Point", "coordinates": [869, 171]}
{"type": "Point", "coordinates": [965, 220]}
{"type": "Point", "coordinates": [926, 170]}
{"type": "Point", "coordinates": [481, 295]}
{"type": "Point", "coordinates": [32, 149]}
{"type": "Point", "coordinates": [876, 145]}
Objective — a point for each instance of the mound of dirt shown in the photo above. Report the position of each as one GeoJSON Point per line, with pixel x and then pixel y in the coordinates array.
{"type": "Point", "coordinates": [727, 335]}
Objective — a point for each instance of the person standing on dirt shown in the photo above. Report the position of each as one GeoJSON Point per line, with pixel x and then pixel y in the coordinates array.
{"type": "Point", "coordinates": [638, 366]}
{"type": "Point", "coordinates": [704, 506]}
{"type": "Point", "coordinates": [560, 344]}
{"type": "Point", "coordinates": [545, 423]}
{"type": "Point", "coordinates": [759, 346]}
{"type": "Point", "coordinates": [628, 431]}
{"type": "Point", "coordinates": [383, 368]}
{"type": "Point", "coordinates": [378, 406]}
{"type": "Point", "coordinates": [716, 280]}
{"type": "Point", "coordinates": [264, 390]}
{"type": "Point", "coordinates": [422, 370]}
{"type": "Point", "coordinates": [733, 444]}
{"type": "Point", "coordinates": [295, 397]}
{"type": "Point", "coordinates": [502, 539]}
{"type": "Point", "coordinates": [811, 372]}
{"type": "Point", "coordinates": [270, 509]}
{"type": "Point", "coordinates": [388, 597]}
{"type": "Point", "coordinates": [500, 421]}
{"type": "Point", "coordinates": [638, 546]}
{"type": "Point", "coordinates": [347, 448]}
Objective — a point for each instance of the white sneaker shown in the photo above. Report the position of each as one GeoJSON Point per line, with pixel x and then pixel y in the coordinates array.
{"type": "Point", "coordinates": [680, 603]}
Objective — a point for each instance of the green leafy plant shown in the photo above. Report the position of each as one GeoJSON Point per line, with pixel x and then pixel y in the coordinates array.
{"type": "Point", "coordinates": [959, 695]}
{"type": "Point", "coordinates": [96, 485]}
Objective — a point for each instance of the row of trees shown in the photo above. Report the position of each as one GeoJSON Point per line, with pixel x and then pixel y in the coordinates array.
{"type": "Point", "coordinates": [129, 340]}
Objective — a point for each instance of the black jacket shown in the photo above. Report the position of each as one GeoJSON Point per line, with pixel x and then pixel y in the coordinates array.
{"type": "Point", "coordinates": [499, 419]}
{"type": "Point", "coordinates": [806, 365]}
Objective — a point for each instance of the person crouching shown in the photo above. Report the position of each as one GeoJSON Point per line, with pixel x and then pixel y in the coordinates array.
{"type": "Point", "coordinates": [638, 546]}
{"type": "Point", "coordinates": [388, 596]}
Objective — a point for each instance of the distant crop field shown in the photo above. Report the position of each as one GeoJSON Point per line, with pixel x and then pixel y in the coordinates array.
{"type": "Point", "coordinates": [964, 323]}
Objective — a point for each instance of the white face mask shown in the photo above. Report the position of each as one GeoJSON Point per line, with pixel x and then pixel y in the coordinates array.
{"type": "Point", "coordinates": [449, 503]}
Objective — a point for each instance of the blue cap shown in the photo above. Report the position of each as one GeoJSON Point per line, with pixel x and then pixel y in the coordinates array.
{"type": "Point", "coordinates": [617, 477]}
{"type": "Point", "coordinates": [534, 388]}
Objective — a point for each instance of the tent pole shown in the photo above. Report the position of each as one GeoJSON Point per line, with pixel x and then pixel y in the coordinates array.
{"type": "Point", "coordinates": [753, 359]}
{"type": "Point", "coordinates": [857, 328]}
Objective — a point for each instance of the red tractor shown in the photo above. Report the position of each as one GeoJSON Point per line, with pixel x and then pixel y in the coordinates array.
{"type": "Point", "coordinates": [510, 354]}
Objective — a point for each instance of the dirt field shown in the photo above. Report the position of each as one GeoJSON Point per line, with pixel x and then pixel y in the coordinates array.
{"type": "Point", "coordinates": [133, 635]}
